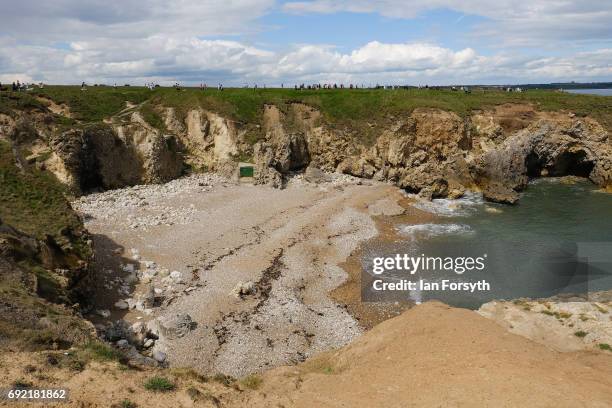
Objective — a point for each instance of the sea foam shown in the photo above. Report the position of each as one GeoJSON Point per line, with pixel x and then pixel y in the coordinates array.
{"type": "Point", "coordinates": [461, 207]}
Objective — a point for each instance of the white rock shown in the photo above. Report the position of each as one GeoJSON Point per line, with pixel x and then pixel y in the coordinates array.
{"type": "Point", "coordinates": [244, 288]}
{"type": "Point", "coordinates": [122, 305]}
{"type": "Point", "coordinates": [128, 268]}
{"type": "Point", "coordinates": [159, 356]}
{"type": "Point", "coordinates": [104, 313]}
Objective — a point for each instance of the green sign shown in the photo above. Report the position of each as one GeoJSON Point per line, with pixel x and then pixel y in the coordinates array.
{"type": "Point", "coordinates": [246, 171]}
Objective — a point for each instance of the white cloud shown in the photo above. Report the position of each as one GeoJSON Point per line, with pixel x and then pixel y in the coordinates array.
{"type": "Point", "coordinates": [514, 22]}
{"type": "Point", "coordinates": [70, 20]}
{"type": "Point", "coordinates": [68, 41]}
{"type": "Point", "coordinates": [194, 60]}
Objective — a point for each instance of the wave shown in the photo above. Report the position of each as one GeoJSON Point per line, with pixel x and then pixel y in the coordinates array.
{"type": "Point", "coordinates": [431, 230]}
{"type": "Point", "coordinates": [445, 207]}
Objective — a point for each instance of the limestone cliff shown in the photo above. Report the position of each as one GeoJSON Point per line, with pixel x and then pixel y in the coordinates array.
{"type": "Point", "coordinates": [437, 153]}
{"type": "Point", "coordinates": [432, 152]}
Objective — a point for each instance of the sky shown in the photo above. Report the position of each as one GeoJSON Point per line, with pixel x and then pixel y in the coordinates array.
{"type": "Point", "coordinates": [273, 42]}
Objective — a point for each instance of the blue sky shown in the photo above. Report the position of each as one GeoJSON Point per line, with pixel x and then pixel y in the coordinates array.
{"type": "Point", "coordinates": [351, 30]}
{"type": "Point", "coordinates": [239, 42]}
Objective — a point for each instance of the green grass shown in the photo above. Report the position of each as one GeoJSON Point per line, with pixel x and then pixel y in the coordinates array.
{"type": "Point", "coordinates": [22, 101]}
{"type": "Point", "coordinates": [152, 117]}
{"type": "Point", "coordinates": [351, 108]}
{"type": "Point", "coordinates": [127, 404]}
{"type": "Point", "coordinates": [159, 384]}
{"type": "Point", "coordinates": [605, 346]}
{"type": "Point", "coordinates": [99, 351]}
{"type": "Point", "coordinates": [32, 200]}
{"type": "Point", "coordinates": [580, 334]}
{"type": "Point", "coordinates": [95, 103]}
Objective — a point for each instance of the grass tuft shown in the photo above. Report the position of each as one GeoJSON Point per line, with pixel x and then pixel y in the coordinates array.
{"type": "Point", "coordinates": [251, 382]}
{"type": "Point", "coordinates": [159, 384]}
{"type": "Point", "coordinates": [605, 346]}
{"type": "Point", "coordinates": [99, 351]}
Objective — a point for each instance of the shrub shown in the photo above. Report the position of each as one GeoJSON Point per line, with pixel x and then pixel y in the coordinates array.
{"type": "Point", "coordinates": [251, 382]}
{"type": "Point", "coordinates": [605, 346]}
{"type": "Point", "coordinates": [103, 352]}
{"type": "Point", "coordinates": [160, 384]}
{"type": "Point", "coordinates": [128, 404]}
{"type": "Point", "coordinates": [580, 333]}
{"type": "Point", "coordinates": [226, 380]}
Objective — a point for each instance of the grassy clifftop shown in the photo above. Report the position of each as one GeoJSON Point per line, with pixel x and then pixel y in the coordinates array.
{"type": "Point", "coordinates": [337, 106]}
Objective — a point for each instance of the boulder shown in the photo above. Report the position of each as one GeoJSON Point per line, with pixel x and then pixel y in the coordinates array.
{"type": "Point", "coordinates": [121, 305]}
{"type": "Point", "coordinates": [159, 356]}
{"type": "Point", "coordinates": [244, 289]}
{"type": "Point", "coordinates": [498, 193]}
{"type": "Point", "coordinates": [175, 326]}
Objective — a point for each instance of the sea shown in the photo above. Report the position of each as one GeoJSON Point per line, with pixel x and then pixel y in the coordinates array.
{"type": "Point", "coordinates": [601, 92]}
{"type": "Point", "coordinates": [557, 239]}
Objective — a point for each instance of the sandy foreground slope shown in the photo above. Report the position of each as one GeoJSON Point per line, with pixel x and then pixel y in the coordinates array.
{"type": "Point", "coordinates": [437, 356]}
{"type": "Point", "coordinates": [430, 356]}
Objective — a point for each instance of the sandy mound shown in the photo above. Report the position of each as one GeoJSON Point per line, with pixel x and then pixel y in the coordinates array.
{"type": "Point", "coordinates": [434, 355]}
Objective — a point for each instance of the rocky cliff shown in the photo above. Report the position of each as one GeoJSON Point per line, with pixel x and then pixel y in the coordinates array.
{"type": "Point", "coordinates": [432, 152]}
{"type": "Point", "coordinates": [438, 154]}
{"type": "Point", "coordinates": [44, 259]}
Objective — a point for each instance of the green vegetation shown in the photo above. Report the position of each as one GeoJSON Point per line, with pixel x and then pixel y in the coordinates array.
{"type": "Point", "coordinates": [341, 107]}
{"type": "Point", "coordinates": [251, 382]}
{"type": "Point", "coordinates": [605, 346]}
{"type": "Point", "coordinates": [32, 200]}
{"type": "Point", "coordinates": [19, 101]}
{"type": "Point", "coordinates": [127, 404]}
{"type": "Point", "coordinates": [95, 103]}
{"type": "Point", "coordinates": [580, 333]}
{"type": "Point", "coordinates": [97, 350]}
{"type": "Point", "coordinates": [152, 117]}
{"type": "Point", "coordinates": [160, 384]}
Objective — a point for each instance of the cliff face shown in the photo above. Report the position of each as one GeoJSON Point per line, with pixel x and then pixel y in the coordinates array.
{"type": "Point", "coordinates": [437, 153]}
{"type": "Point", "coordinates": [432, 152]}
{"type": "Point", "coordinates": [44, 257]}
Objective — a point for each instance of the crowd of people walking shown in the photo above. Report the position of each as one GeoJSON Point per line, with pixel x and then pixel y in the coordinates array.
{"type": "Point", "coordinates": [22, 86]}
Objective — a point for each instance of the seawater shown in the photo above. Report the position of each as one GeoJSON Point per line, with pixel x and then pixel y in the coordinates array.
{"type": "Point", "coordinates": [601, 92]}
{"type": "Point", "coordinates": [558, 239]}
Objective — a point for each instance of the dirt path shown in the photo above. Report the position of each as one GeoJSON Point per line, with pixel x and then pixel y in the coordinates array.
{"type": "Point", "coordinates": [251, 266]}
